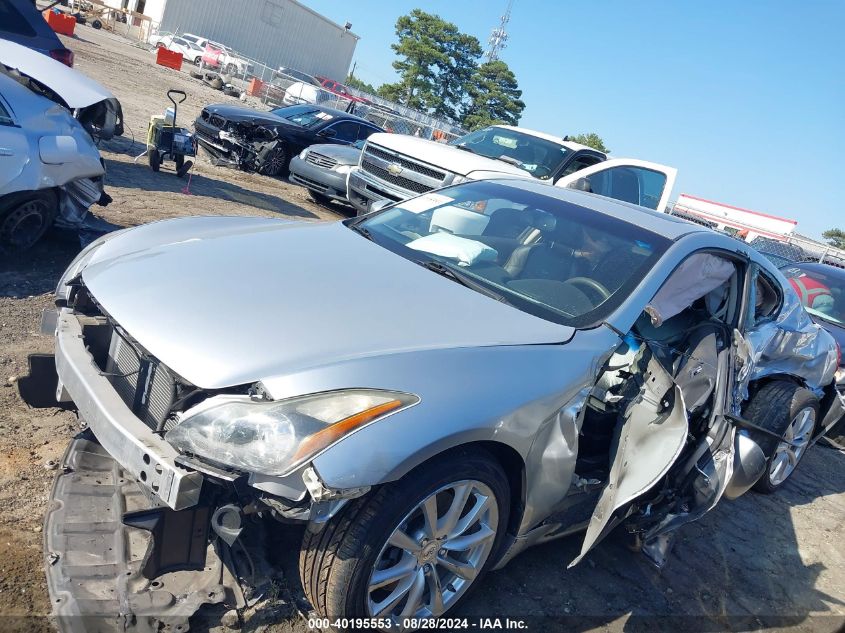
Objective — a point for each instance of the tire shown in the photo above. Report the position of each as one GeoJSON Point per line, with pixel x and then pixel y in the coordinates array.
{"type": "Point", "coordinates": [197, 62]}
{"type": "Point", "coordinates": [336, 564]}
{"type": "Point", "coordinates": [786, 409]}
{"type": "Point", "coordinates": [319, 198]}
{"type": "Point", "coordinates": [232, 92]}
{"type": "Point", "coordinates": [276, 162]}
{"type": "Point", "coordinates": [179, 159]}
{"type": "Point", "coordinates": [155, 160]}
{"type": "Point", "coordinates": [25, 217]}
{"type": "Point", "coordinates": [196, 74]}
{"type": "Point", "coordinates": [97, 24]}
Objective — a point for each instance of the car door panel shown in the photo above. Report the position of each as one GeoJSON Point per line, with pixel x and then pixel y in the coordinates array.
{"type": "Point", "coordinates": [650, 437]}
{"type": "Point", "coordinates": [628, 179]}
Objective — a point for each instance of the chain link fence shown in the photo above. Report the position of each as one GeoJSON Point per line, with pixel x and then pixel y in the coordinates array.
{"type": "Point", "coordinates": [276, 87]}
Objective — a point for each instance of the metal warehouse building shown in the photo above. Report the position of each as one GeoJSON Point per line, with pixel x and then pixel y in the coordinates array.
{"type": "Point", "coordinates": [274, 32]}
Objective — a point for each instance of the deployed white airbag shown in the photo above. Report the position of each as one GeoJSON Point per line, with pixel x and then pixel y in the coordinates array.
{"type": "Point", "coordinates": [695, 277]}
{"type": "Point", "coordinates": [465, 251]}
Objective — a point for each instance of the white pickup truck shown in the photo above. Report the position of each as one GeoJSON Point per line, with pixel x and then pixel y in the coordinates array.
{"type": "Point", "coordinates": [395, 167]}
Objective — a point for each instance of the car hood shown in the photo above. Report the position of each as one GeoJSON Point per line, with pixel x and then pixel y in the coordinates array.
{"type": "Point", "coordinates": [443, 156]}
{"type": "Point", "coordinates": [240, 114]}
{"type": "Point", "coordinates": [229, 301]}
{"type": "Point", "coordinates": [74, 88]}
{"type": "Point", "coordinates": [343, 154]}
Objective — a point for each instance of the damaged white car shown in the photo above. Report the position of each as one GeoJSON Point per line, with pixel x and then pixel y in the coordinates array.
{"type": "Point", "coordinates": [50, 168]}
{"type": "Point", "coordinates": [513, 362]}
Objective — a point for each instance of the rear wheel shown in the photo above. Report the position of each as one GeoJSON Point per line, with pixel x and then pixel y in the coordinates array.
{"type": "Point", "coordinates": [790, 411]}
{"type": "Point", "coordinates": [24, 218]}
{"type": "Point", "coordinates": [155, 160]}
{"type": "Point", "coordinates": [413, 548]}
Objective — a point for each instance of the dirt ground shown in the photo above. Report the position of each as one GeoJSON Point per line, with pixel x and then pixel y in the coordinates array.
{"type": "Point", "coordinates": [774, 562]}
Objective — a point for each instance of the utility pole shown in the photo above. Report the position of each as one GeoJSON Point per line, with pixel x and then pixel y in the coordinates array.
{"type": "Point", "coordinates": [499, 36]}
{"type": "Point", "coordinates": [352, 72]}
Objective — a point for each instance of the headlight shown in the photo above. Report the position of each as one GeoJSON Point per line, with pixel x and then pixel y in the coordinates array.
{"type": "Point", "coordinates": [274, 438]}
{"type": "Point", "coordinates": [343, 169]}
{"type": "Point", "coordinates": [303, 154]}
{"type": "Point", "coordinates": [839, 376]}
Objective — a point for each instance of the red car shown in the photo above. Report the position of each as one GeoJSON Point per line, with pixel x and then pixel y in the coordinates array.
{"type": "Point", "coordinates": [339, 89]}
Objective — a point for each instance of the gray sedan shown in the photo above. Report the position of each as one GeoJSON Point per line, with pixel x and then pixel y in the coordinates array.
{"type": "Point", "coordinates": [514, 363]}
{"type": "Point", "coordinates": [323, 170]}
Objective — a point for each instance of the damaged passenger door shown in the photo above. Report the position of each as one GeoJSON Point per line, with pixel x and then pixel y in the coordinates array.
{"type": "Point", "coordinates": [652, 436]}
{"type": "Point", "coordinates": [673, 440]}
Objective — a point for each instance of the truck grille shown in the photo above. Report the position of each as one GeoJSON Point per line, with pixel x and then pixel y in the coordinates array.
{"type": "Point", "coordinates": [401, 171]}
{"type": "Point", "coordinates": [144, 385]}
{"type": "Point", "coordinates": [405, 162]}
{"type": "Point", "coordinates": [320, 160]}
{"type": "Point", "coordinates": [399, 181]}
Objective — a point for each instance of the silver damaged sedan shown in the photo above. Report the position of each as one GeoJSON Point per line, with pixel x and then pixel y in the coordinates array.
{"type": "Point", "coordinates": [430, 389]}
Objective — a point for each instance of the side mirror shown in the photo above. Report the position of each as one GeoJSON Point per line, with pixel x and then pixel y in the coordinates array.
{"type": "Point", "coordinates": [328, 133]}
{"type": "Point", "coordinates": [581, 184]}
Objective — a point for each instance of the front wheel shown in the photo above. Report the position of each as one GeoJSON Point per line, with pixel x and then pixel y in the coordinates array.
{"type": "Point", "coordinates": [412, 549]}
{"type": "Point", "coordinates": [275, 162]}
{"type": "Point", "coordinates": [790, 411]}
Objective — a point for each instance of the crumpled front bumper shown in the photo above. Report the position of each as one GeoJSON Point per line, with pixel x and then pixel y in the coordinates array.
{"type": "Point", "coordinates": [142, 453]}
{"type": "Point", "coordinates": [95, 563]}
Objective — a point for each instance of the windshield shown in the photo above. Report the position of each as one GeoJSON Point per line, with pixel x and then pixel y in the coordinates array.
{"type": "Point", "coordinates": [821, 293]}
{"type": "Point", "coordinates": [537, 156]}
{"type": "Point", "coordinates": [547, 257]}
{"type": "Point", "coordinates": [304, 115]}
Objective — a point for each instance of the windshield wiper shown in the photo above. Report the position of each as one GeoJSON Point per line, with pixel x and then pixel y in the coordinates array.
{"type": "Point", "coordinates": [459, 277]}
{"type": "Point", "coordinates": [464, 148]}
{"type": "Point", "coordinates": [511, 160]}
{"type": "Point", "coordinates": [362, 230]}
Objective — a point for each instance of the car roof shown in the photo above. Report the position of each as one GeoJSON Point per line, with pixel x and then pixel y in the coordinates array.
{"type": "Point", "coordinates": [663, 224]}
{"type": "Point", "coordinates": [549, 137]}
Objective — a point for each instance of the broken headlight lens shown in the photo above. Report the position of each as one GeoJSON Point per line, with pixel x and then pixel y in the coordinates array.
{"type": "Point", "coordinates": [274, 438]}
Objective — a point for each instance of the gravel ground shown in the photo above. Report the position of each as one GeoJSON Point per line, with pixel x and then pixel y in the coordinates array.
{"type": "Point", "coordinates": [775, 562]}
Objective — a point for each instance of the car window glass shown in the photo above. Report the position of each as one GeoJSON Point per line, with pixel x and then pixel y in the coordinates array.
{"type": "Point", "coordinates": [629, 184]}
{"type": "Point", "coordinates": [540, 157]}
{"type": "Point", "coordinates": [365, 132]}
{"type": "Point", "coordinates": [555, 260]}
{"type": "Point", "coordinates": [5, 117]}
{"type": "Point", "coordinates": [580, 163]}
{"type": "Point", "coordinates": [12, 21]}
{"type": "Point", "coordinates": [346, 131]}
{"type": "Point", "coordinates": [821, 293]}
{"type": "Point", "coordinates": [306, 116]}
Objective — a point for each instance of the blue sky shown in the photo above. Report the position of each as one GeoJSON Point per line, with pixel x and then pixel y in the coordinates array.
{"type": "Point", "coordinates": [746, 99]}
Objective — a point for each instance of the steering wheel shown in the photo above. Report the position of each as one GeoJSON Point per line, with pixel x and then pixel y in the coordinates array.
{"type": "Point", "coordinates": [590, 283]}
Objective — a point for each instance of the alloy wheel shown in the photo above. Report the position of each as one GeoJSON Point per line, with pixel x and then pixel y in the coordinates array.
{"type": "Point", "coordinates": [787, 455]}
{"type": "Point", "coordinates": [435, 553]}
